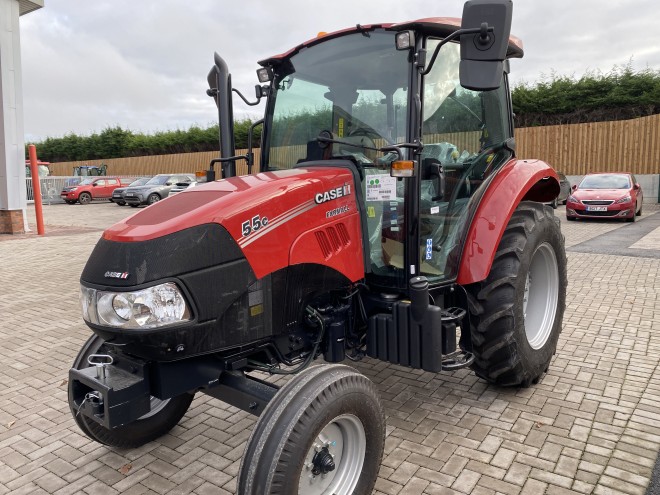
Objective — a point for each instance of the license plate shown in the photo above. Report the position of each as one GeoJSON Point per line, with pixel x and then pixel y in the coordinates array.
{"type": "Point", "coordinates": [596, 208]}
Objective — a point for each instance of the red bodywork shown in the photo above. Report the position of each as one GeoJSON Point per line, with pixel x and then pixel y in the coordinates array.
{"type": "Point", "coordinates": [286, 223]}
{"type": "Point", "coordinates": [517, 181]}
{"type": "Point", "coordinates": [603, 202]}
{"type": "Point", "coordinates": [95, 189]}
{"type": "Point", "coordinates": [300, 230]}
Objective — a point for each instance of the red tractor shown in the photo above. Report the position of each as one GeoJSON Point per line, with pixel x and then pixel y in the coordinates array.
{"type": "Point", "coordinates": [389, 213]}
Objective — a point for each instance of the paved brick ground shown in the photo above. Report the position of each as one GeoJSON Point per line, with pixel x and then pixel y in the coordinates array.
{"type": "Point", "coordinates": [591, 426]}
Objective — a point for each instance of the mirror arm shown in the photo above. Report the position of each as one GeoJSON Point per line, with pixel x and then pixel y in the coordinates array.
{"type": "Point", "coordinates": [482, 31]}
{"type": "Point", "coordinates": [251, 104]}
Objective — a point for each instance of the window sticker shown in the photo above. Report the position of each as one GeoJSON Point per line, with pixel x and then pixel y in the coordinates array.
{"type": "Point", "coordinates": [381, 187]}
{"type": "Point", "coordinates": [429, 249]}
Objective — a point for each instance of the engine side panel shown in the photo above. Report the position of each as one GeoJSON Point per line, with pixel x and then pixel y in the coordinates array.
{"type": "Point", "coordinates": [518, 180]}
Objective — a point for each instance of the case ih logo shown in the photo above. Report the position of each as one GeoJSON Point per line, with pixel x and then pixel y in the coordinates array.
{"type": "Point", "coordinates": [336, 193]}
{"type": "Point", "coordinates": [122, 275]}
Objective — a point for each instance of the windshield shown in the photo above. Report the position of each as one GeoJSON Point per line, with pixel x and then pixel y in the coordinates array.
{"type": "Point", "coordinates": [610, 181]}
{"type": "Point", "coordinates": [354, 86]}
{"type": "Point", "coordinates": [159, 180]}
{"type": "Point", "coordinates": [86, 182]}
{"type": "Point", "coordinates": [139, 182]}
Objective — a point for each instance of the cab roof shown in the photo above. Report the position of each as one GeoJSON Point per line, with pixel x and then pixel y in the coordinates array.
{"type": "Point", "coordinates": [433, 26]}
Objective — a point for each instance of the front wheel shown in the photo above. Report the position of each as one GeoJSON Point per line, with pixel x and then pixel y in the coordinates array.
{"type": "Point", "coordinates": [153, 198]}
{"type": "Point", "coordinates": [85, 198]}
{"type": "Point", "coordinates": [164, 414]}
{"type": "Point", "coordinates": [516, 313]}
{"type": "Point", "coordinates": [323, 433]}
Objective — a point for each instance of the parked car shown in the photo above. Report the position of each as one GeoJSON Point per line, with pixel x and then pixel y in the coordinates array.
{"type": "Point", "coordinates": [92, 188]}
{"type": "Point", "coordinates": [157, 188]}
{"type": "Point", "coordinates": [607, 195]}
{"type": "Point", "coordinates": [182, 186]}
{"type": "Point", "coordinates": [118, 194]}
{"type": "Point", "coordinates": [564, 191]}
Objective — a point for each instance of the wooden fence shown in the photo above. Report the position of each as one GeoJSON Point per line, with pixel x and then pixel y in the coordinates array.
{"type": "Point", "coordinates": [577, 149]}
{"type": "Point", "coordinates": [574, 149]}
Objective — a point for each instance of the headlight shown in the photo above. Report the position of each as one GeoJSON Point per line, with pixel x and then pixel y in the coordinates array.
{"type": "Point", "coordinates": [572, 199]}
{"type": "Point", "coordinates": [154, 307]}
{"type": "Point", "coordinates": [73, 189]}
{"type": "Point", "coordinates": [625, 199]}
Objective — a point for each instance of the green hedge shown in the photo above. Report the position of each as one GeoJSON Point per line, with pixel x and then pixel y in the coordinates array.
{"type": "Point", "coordinates": [595, 97]}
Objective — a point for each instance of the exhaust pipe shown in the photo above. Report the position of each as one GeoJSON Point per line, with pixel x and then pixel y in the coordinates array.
{"type": "Point", "coordinates": [219, 80]}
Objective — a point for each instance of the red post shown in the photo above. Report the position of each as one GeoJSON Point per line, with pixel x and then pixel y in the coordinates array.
{"type": "Point", "coordinates": [36, 189]}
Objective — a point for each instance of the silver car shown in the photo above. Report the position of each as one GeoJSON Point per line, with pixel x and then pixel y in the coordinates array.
{"type": "Point", "coordinates": [156, 189]}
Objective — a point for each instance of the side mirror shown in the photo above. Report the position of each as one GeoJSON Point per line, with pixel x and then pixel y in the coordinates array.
{"type": "Point", "coordinates": [574, 187]}
{"type": "Point", "coordinates": [94, 184]}
{"type": "Point", "coordinates": [636, 187]}
{"type": "Point", "coordinates": [168, 183]}
{"type": "Point", "coordinates": [483, 53]}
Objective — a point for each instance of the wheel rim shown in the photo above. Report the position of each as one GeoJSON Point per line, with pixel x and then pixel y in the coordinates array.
{"type": "Point", "coordinates": [157, 405]}
{"type": "Point", "coordinates": [541, 296]}
{"type": "Point", "coordinates": [153, 199]}
{"type": "Point", "coordinates": [345, 440]}
{"type": "Point", "coordinates": [84, 199]}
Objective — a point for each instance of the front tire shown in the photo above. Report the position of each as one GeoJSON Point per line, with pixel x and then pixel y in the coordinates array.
{"type": "Point", "coordinates": [516, 313]}
{"type": "Point", "coordinates": [322, 433]}
{"type": "Point", "coordinates": [85, 198]}
{"type": "Point", "coordinates": [153, 198]}
{"type": "Point", "coordinates": [164, 414]}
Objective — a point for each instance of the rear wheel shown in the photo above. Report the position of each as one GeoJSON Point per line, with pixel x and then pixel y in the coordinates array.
{"type": "Point", "coordinates": [85, 198]}
{"type": "Point", "coordinates": [164, 414]}
{"type": "Point", "coordinates": [322, 433]}
{"type": "Point", "coordinates": [516, 313]}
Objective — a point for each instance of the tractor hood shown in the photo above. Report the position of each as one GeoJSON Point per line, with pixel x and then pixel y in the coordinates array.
{"type": "Point", "coordinates": [226, 201]}
{"type": "Point", "coordinates": [265, 213]}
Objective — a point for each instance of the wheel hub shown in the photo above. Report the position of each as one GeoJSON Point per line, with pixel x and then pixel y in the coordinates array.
{"type": "Point", "coordinates": [323, 462]}
{"type": "Point", "coordinates": [334, 462]}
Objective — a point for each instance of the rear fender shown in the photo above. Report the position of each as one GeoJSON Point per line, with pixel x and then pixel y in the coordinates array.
{"type": "Point", "coordinates": [518, 180]}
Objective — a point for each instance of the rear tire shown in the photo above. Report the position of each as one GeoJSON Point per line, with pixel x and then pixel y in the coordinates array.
{"type": "Point", "coordinates": [516, 313]}
{"type": "Point", "coordinates": [85, 198]}
{"type": "Point", "coordinates": [325, 411]}
{"type": "Point", "coordinates": [165, 414]}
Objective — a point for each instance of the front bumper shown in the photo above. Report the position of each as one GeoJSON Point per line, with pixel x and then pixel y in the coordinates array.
{"type": "Point", "coordinates": [69, 196]}
{"type": "Point", "coordinates": [134, 199]}
{"type": "Point", "coordinates": [579, 210]}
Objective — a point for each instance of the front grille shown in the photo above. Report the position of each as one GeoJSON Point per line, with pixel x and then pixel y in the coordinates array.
{"type": "Point", "coordinates": [598, 213]}
{"type": "Point", "coordinates": [598, 202]}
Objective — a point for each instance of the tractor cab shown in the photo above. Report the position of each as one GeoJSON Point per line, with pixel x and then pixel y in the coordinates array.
{"type": "Point", "coordinates": [389, 96]}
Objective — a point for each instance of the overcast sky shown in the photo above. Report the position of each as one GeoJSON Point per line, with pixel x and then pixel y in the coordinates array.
{"type": "Point", "coordinates": [142, 64]}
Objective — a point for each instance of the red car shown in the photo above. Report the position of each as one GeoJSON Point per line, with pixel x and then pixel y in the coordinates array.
{"type": "Point", "coordinates": [616, 195]}
{"type": "Point", "coordinates": [92, 188]}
